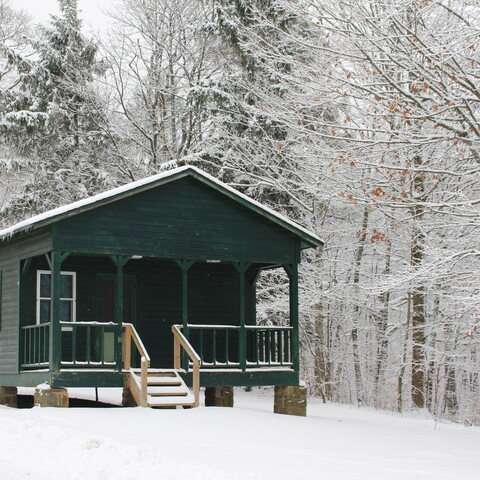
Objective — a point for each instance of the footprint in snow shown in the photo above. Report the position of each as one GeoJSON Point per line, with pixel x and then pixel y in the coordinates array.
{"type": "Point", "coordinates": [92, 443]}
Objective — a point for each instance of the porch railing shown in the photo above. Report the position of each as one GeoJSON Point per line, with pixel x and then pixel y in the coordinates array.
{"type": "Point", "coordinates": [270, 346]}
{"type": "Point", "coordinates": [89, 344]}
{"type": "Point", "coordinates": [35, 345]}
{"type": "Point", "coordinates": [139, 390]}
{"type": "Point", "coordinates": [94, 344]}
{"type": "Point", "coordinates": [222, 346]}
{"type": "Point", "coordinates": [83, 345]}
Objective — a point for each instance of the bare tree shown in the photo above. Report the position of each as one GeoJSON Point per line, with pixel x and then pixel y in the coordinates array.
{"type": "Point", "coordinates": [381, 117]}
{"type": "Point", "coordinates": [160, 60]}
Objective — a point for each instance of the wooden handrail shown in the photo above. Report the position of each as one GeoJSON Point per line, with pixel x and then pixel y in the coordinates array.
{"type": "Point", "coordinates": [196, 326]}
{"type": "Point", "coordinates": [131, 334]}
{"type": "Point", "coordinates": [89, 324]}
{"type": "Point", "coordinates": [179, 340]}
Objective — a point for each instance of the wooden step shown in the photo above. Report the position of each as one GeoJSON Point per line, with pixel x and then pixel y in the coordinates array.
{"type": "Point", "coordinates": [167, 378]}
{"type": "Point", "coordinates": [157, 372]}
{"type": "Point", "coordinates": [166, 383]}
{"type": "Point", "coordinates": [167, 391]}
{"type": "Point", "coordinates": [171, 401]}
{"type": "Point", "coordinates": [165, 388]}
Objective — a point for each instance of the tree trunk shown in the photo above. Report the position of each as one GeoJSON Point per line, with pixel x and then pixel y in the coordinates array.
{"type": "Point", "coordinates": [451, 403]}
{"type": "Point", "coordinates": [381, 321]}
{"type": "Point", "coordinates": [322, 361]}
{"type": "Point", "coordinates": [418, 294]}
{"type": "Point", "coordinates": [433, 371]}
{"type": "Point", "coordinates": [451, 400]}
{"type": "Point", "coordinates": [354, 332]}
{"type": "Point", "coordinates": [403, 364]}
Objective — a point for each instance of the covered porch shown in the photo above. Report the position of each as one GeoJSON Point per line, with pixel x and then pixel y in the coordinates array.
{"type": "Point", "coordinates": [89, 318]}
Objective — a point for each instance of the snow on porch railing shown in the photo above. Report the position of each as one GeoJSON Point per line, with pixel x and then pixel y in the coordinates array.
{"type": "Point", "coordinates": [83, 345]}
{"type": "Point", "coordinates": [89, 344]}
{"type": "Point", "coordinates": [35, 345]}
{"type": "Point", "coordinates": [220, 346]}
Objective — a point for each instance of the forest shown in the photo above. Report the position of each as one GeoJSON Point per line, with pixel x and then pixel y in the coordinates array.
{"type": "Point", "coordinates": [359, 119]}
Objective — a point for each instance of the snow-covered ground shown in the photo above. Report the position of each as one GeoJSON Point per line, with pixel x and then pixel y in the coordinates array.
{"type": "Point", "coordinates": [245, 442]}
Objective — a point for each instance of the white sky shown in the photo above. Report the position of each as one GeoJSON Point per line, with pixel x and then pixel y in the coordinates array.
{"type": "Point", "coordinates": [90, 11]}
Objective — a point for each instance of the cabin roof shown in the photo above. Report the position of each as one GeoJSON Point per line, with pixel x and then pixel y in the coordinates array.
{"type": "Point", "coordinates": [309, 239]}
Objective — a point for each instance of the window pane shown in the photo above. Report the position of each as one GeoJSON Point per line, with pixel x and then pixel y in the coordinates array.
{"type": "Point", "coordinates": [44, 311]}
{"type": "Point", "coordinates": [65, 311]}
{"type": "Point", "coordinates": [45, 285]}
{"type": "Point", "coordinates": [66, 286]}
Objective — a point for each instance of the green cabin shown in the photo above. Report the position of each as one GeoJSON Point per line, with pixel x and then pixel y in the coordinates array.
{"type": "Point", "coordinates": [149, 286]}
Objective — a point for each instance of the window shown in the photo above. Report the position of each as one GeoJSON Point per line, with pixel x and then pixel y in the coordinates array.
{"type": "Point", "coordinates": [67, 296]}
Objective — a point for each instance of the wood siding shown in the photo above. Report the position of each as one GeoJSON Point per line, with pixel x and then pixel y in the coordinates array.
{"type": "Point", "coordinates": [182, 219]}
{"type": "Point", "coordinates": [10, 255]}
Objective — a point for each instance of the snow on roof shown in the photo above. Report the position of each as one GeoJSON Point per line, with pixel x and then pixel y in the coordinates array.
{"type": "Point", "coordinates": [145, 183]}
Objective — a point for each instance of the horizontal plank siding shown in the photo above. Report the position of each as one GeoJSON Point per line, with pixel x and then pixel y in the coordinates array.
{"type": "Point", "coordinates": [11, 252]}
{"type": "Point", "coordinates": [184, 219]}
{"type": "Point", "coordinates": [214, 297]}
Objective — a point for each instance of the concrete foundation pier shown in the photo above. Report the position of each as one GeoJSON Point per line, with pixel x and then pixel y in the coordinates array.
{"type": "Point", "coordinates": [290, 400]}
{"type": "Point", "coordinates": [219, 396]}
{"type": "Point", "coordinates": [8, 396]}
{"type": "Point", "coordinates": [51, 397]}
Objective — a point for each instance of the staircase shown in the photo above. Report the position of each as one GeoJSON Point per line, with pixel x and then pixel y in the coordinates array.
{"type": "Point", "coordinates": [160, 388]}
{"type": "Point", "coordinates": [165, 388]}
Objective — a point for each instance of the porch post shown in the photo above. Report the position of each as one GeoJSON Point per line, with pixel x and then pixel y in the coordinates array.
{"type": "Point", "coordinates": [119, 314]}
{"type": "Point", "coordinates": [242, 346]}
{"type": "Point", "coordinates": [292, 272]}
{"type": "Point", "coordinates": [120, 262]}
{"type": "Point", "coordinates": [185, 265]}
{"type": "Point", "coordinates": [55, 350]}
{"type": "Point", "coordinates": [253, 287]}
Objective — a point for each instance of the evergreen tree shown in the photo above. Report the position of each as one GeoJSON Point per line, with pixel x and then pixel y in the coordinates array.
{"type": "Point", "coordinates": [54, 118]}
{"type": "Point", "coordinates": [54, 110]}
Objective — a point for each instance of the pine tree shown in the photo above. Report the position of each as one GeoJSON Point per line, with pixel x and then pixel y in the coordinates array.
{"type": "Point", "coordinates": [54, 110]}
{"type": "Point", "coordinates": [54, 119]}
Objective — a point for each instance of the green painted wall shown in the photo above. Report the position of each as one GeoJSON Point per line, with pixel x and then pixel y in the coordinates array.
{"type": "Point", "coordinates": [182, 219]}
{"type": "Point", "coordinates": [10, 255]}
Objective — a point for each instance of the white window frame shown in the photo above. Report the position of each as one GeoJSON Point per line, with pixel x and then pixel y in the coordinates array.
{"type": "Point", "coordinates": [72, 299]}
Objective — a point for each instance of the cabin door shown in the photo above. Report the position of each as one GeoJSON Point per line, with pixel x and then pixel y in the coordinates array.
{"type": "Point", "coordinates": [106, 298]}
